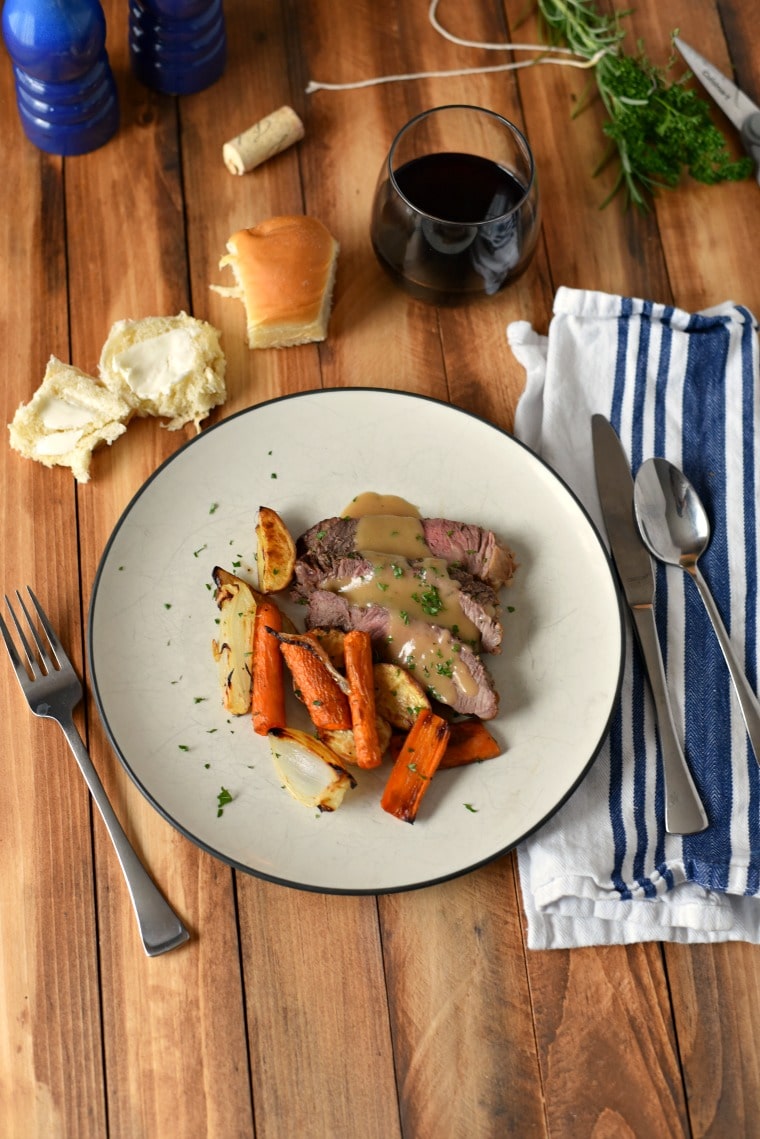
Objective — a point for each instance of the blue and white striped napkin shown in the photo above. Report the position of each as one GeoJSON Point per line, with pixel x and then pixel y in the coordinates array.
{"type": "Point", "coordinates": [602, 871]}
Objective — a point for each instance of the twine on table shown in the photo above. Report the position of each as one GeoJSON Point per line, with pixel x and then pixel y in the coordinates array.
{"type": "Point", "coordinates": [559, 56]}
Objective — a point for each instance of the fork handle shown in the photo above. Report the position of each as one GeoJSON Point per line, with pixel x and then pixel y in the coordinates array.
{"type": "Point", "coordinates": [160, 928]}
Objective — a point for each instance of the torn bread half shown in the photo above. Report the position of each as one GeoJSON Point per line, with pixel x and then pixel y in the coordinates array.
{"type": "Point", "coordinates": [68, 416]}
{"type": "Point", "coordinates": [284, 270]}
{"type": "Point", "coordinates": [167, 366]}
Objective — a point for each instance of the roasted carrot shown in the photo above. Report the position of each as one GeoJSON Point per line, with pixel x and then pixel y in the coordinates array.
{"type": "Point", "coordinates": [357, 648]}
{"type": "Point", "coordinates": [415, 766]}
{"type": "Point", "coordinates": [268, 695]}
{"type": "Point", "coordinates": [315, 682]}
{"type": "Point", "coordinates": [469, 742]}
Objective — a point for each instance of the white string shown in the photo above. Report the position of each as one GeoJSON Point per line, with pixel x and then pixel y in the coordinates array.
{"type": "Point", "coordinates": [447, 35]}
{"type": "Point", "coordinates": [559, 56]}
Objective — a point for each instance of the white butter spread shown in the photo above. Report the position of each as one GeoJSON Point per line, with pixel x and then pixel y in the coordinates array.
{"type": "Point", "coordinates": [152, 367]}
{"type": "Point", "coordinates": [59, 442]}
{"type": "Point", "coordinates": [57, 414]}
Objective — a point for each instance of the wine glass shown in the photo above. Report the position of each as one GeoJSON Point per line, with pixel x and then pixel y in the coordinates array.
{"type": "Point", "coordinates": [456, 208]}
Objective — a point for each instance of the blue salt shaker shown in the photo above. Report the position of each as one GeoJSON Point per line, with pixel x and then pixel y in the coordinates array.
{"type": "Point", "coordinates": [65, 90]}
{"type": "Point", "coordinates": [177, 47]}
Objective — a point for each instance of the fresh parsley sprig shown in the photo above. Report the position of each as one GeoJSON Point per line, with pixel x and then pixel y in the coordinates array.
{"type": "Point", "coordinates": [657, 129]}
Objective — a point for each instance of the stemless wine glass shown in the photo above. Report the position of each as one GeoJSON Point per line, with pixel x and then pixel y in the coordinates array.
{"type": "Point", "coordinates": [456, 207]}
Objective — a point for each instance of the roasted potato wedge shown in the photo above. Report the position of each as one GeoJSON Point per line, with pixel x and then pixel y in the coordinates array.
{"type": "Point", "coordinates": [331, 641]}
{"type": "Point", "coordinates": [342, 741]}
{"type": "Point", "coordinates": [275, 551]}
{"type": "Point", "coordinates": [399, 698]}
{"type": "Point", "coordinates": [236, 600]}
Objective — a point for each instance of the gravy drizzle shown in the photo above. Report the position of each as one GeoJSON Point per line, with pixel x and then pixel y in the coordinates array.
{"type": "Point", "coordinates": [427, 624]}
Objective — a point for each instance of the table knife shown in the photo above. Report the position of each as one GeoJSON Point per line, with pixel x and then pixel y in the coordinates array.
{"type": "Point", "coordinates": [684, 812]}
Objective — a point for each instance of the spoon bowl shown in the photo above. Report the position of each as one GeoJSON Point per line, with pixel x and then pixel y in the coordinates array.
{"type": "Point", "coordinates": [670, 515]}
{"type": "Point", "coordinates": [676, 530]}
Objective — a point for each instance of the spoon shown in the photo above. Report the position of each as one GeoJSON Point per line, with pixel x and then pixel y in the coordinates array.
{"type": "Point", "coordinates": [675, 528]}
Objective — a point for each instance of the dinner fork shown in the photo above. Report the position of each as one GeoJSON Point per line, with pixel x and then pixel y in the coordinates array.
{"type": "Point", "coordinates": [53, 689]}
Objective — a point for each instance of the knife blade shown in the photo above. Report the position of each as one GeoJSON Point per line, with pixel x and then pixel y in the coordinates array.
{"type": "Point", "coordinates": [684, 812]}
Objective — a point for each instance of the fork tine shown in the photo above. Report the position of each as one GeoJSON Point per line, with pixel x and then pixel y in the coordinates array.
{"type": "Point", "coordinates": [48, 665]}
{"type": "Point", "coordinates": [32, 664]}
{"type": "Point", "coordinates": [10, 644]}
{"type": "Point", "coordinates": [57, 650]}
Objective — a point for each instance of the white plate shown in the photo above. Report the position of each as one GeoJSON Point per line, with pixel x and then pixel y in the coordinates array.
{"type": "Point", "coordinates": [152, 620]}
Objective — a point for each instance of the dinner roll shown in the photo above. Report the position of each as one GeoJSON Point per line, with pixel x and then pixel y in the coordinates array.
{"type": "Point", "coordinates": [284, 270]}
{"type": "Point", "coordinates": [168, 366]}
{"type": "Point", "coordinates": [68, 416]}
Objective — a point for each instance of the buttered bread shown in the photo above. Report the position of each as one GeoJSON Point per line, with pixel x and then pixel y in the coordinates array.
{"type": "Point", "coordinates": [167, 366]}
{"type": "Point", "coordinates": [68, 416]}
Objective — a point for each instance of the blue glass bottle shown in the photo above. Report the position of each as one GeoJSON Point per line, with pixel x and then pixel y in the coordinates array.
{"type": "Point", "coordinates": [65, 90]}
{"type": "Point", "coordinates": [177, 47]}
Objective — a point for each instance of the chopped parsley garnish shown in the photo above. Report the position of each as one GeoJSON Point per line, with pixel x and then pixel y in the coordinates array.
{"type": "Point", "coordinates": [222, 799]}
{"type": "Point", "coordinates": [658, 128]}
{"type": "Point", "coordinates": [429, 601]}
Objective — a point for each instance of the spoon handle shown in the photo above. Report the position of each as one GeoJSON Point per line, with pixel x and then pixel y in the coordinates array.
{"type": "Point", "coordinates": [684, 813]}
{"type": "Point", "coordinates": [748, 702]}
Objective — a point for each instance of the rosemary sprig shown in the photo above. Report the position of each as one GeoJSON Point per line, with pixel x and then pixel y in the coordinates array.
{"type": "Point", "coordinates": [658, 128]}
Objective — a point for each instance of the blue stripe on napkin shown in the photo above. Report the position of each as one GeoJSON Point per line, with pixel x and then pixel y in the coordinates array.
{"type": "Point", "coordinates": [708, 684]}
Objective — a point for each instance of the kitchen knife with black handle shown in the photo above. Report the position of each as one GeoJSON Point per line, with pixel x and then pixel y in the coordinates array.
{"type": "Point", "coordinates": [684, 812]}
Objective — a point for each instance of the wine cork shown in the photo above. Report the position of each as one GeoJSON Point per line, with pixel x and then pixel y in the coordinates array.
{"type": "Point", "coordinates": [262, 141]}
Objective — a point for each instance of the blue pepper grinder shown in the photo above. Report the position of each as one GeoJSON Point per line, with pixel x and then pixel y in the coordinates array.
{"type": "Point", "coordinates": [177, 47]}
{"type": "Point", "coordinates": [65, 90]}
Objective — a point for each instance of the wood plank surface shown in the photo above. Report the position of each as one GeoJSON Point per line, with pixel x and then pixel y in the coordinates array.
{"type": "Point", "coordinates": [292, 1015]}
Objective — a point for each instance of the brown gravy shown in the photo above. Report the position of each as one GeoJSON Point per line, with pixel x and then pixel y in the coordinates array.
{"type": "Point", "coordinates": [427, 624]}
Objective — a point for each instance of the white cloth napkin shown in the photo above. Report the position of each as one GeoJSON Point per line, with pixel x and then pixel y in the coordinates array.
{"type": "Point", "coordinates": [602, 870]}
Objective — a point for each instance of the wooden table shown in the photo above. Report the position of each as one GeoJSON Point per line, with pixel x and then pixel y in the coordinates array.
{"type": "Point", "coordinates": [292, 1014]}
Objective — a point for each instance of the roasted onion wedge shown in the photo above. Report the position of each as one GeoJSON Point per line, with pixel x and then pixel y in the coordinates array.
{"type": "Point", "coordinates": [309, 770]}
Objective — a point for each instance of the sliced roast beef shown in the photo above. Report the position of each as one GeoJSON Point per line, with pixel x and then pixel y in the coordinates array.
{"type": "Point", "coordinates": [332, 610]}
{"type": "Point", "coordinates": [480, 604]}
{"type": "Point", "coordinates": [318, 574]}
{"type": "Point", "coordinates": [327, 542]}
{"type": "Point", "coordinates": [478, 600]}
{"type": "Point", "coordinates": [328, 610]}
{"type": "Point", "coordinates": [476, 550]}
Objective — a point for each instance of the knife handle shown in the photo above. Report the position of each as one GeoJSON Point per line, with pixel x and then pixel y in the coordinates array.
{"type": "Point", "coordinates": [684, 813]}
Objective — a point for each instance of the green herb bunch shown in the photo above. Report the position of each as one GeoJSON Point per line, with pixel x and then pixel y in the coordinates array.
{"type": "Point", "coordinates": [657, 128]}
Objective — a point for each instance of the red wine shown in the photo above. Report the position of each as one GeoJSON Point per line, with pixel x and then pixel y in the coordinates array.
{"type": "Point", "coordinates": [462, 224]}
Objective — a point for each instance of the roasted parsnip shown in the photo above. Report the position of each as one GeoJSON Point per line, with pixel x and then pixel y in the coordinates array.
{"type": "Point", "coordinates": [232, 650]}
